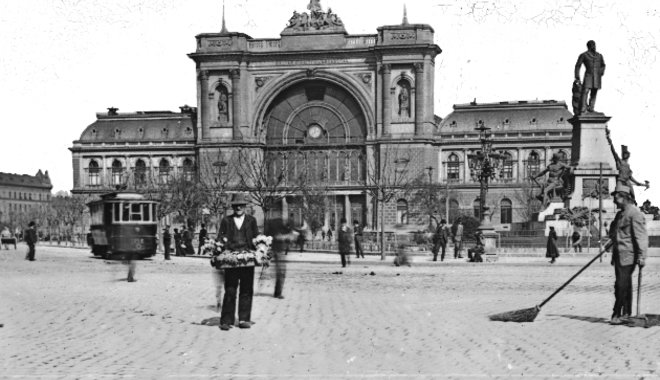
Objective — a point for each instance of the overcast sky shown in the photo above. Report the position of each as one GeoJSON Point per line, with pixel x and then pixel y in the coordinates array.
{"type": "Point", "coordinates": [61, 61]}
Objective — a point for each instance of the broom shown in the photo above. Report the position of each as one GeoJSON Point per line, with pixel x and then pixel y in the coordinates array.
{"type": "Point", "coordinates": [528, 315]}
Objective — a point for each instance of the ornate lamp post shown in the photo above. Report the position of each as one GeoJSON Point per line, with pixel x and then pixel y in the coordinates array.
{"type": "Point", "coordinates": [483, 167]}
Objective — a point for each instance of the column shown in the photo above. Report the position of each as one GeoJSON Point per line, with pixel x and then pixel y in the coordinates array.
{"type": "Point", "coordinates": [347, 208]}
{"type": "Point", "coordinates": [466, 166]}
{"type": "Point", "coordinates": [236, 103]}
{"type": "Point", "coordinates": [204, 103]}
{"type": "Point", "coordinates": [386, 72]}
{"type": "Point", "coordinates": [419, 98]}
{"type": "Point", "coordinates": [285, 210]}
{"type": "Point", "coordinates": [521, 167]}
{"type": "Point", "coordinates": [547, 155]}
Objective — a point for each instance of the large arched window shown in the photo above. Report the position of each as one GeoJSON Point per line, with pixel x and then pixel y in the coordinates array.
{"type": "Point", "coordinates": [94, 173]}
{"type": "Point", "coordinates": [164, 170]}
{"type": "Point", "coordinates": [506, 214]}
{"type": "Point", "coordinates": [453, 168]}
{"type": "Point", "coordinates": [507, 167]}
{"type": "Point", "coordinates": [117, 172]}
{"type": "Point", "coordinates": [188, 169]}
{"type": "Point", "coordinates": [402, 211]}
{"type": "Point", "coordinates": [533, 164]}
{"type": "Point", "coordinates": [140, 173]}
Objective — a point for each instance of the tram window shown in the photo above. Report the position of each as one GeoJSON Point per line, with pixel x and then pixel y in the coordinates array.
{"type": "Point", "coordinates": [146, 208]}
{"type": "Point", "coordinates": [117, 212]}
{"type": "Point", "coordinates": [125, 212]}
{"type": "Point", "coordinates": [136, 212]}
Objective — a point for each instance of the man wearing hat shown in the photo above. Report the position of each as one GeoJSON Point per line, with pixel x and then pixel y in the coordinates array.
{"type": "Point", "coordinates": [31, 240]}
{"type": "Point", "coordinates": [238, 229]}
{"type": "Point", "coordinates": [629, 246]}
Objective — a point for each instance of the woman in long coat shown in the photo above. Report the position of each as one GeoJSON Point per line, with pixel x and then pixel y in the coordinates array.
{"type": "Point", "coordinates": [551, 248]}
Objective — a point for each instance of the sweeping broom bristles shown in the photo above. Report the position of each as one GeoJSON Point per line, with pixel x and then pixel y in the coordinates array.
{"type": "Point", "coordinates": [523, 315]}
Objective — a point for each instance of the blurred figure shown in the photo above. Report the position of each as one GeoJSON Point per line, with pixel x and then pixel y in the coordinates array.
{"type": "Point", "coordinates": [187, 237]}
{"type": "Point", "coordinates": [7, 238]}
{"type": "Point", "coordinates": [458, 239]}
{"type": "Point", "coordinates": [177, 242]}
{"type": "Point", "coordinates": [551, 250]}
{"type": "Point", "coordinates": [283, 235]}
{"type": "Point", "coordinates": [440, 239]}
{"type": "Point", "coordinates": [130, 259]}
{"type": "Point", "coordinates": [31, 240]}
{"type": "Point", "coordinates": [357, 233]}
{"type": "Point", "coordinates": [474, 253]}
{"type": "Point", "coordinates": [219, 279]}
{"type": "Point", "coordinates": [344, 239]}
{"type": "Point", "coordinates": [576, 240]}
{"type": "Point", "coordinates": [402, 257]}
{"type": "Point", "coordinates": [202, 238]}
{"type": "Point", "coordinates": [167, 241]}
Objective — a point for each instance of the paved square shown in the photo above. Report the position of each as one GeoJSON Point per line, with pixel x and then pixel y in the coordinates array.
{"type": "Point", "coordinates": [69, 315]}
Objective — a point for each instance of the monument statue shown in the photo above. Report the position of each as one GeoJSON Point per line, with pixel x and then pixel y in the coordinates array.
{"type": "Point", "coordinates": [625, 176]}
{"type": "Point", "coordinates": [316, 19]}
{"type": "Point", "coordinates": [223, 106]}
{"type": "Point", "coordinates": [556, 182]}
{"type": "Point", "coordinates": [594, 65]}
{"type": "Point", "coordinates": [404, 102]}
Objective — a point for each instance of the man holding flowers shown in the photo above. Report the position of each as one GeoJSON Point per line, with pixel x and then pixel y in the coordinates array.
{"type": "Point", "coordinates": [237, 231]}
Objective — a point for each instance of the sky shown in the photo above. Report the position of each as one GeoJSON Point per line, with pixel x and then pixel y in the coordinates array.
{"type": "Point", "coordinates": [62, 61]}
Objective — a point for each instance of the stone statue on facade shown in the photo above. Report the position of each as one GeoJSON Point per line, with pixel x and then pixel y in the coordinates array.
{"type": "Point", "coordinates": [594, 65]}
{"type": "Point", "coordinates": [316, 19]}
{"type": "Point", "coordinates": [404, 102]}
{"type": "Point", "coordinates": [556, 185]}
{"type": "Point", "coordinates": [223, 106]}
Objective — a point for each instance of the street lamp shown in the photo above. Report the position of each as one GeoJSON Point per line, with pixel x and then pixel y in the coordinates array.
{"type": "Point", "coordinates": [483, 166]}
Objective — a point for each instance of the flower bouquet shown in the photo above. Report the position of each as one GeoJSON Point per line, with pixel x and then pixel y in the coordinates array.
{"type": "Point", "coordinates": [222, 258]}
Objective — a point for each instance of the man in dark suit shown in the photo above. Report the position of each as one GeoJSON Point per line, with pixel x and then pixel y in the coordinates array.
{"type": "Point", "coordinates": [357, 232]}
{"type": "Point", "coordinates": [344, 239]}
{"type": "Point", "coordinates": [167, 241]}
{"type": "Point", "coordinates": [440, 239]}
{"type": "Point", "coordinates": [238, 229]}
{"type": "Point", "coordinates": [202, 238]}
{"type": "Point", "coordinates": [177, 242]}
{"type": "Point", "coordinates": [31, 240]}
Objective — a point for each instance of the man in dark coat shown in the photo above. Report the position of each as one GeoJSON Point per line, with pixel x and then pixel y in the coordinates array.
{"type": "Point", "coordinates": [344, 239]}
{"type": "Point", "coordinates": [177, 242]}
{"type": "Point", "coordinates": [440, 239]}
{"type": "Point", "coordinates": [630, 243]}
{"type": "Point", "coordinates": [238, 229]}
{"type": "Point", "coordinates": [187, 237]}
{"type": "Point", "coordinates": [551, 249]}
{"type": "Point", "coordinates": [31, 240]}
{"type": "Point", "coordinates": [357, 233]}
{"type": "Point", "coordinates": [594, 65]}
{"type": "Point", "coordinates": [202, 238]}
{"type": "Point", "coordinates": [167, 241]}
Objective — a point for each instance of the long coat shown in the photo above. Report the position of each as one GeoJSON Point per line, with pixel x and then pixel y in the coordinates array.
{"type": "Point", "coordinates": [344, 239]}
{"type": "Point", "coordinates": [594, 69]}
{"type": "Point", "coordinates": [551, 248]}
{"type": "Point", "coordinates": [628, 232]}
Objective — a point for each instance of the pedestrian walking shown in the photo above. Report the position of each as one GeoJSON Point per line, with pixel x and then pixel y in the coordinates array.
{"type": "Point", "coordinates": [187, 238]}
{"type": "Point", "coordinates": [330, 234]}
{"type": "Point", "coordinates": [630, 244]}
{"type": "Point", "coordinates": [344, 239]}
{"type": "Point", "coordinates": [551, 250]}
{"type": "Point", "coordinates": [7, 238]}
{"type": "Point", "coordinates": [177, 242]}
{"type": "Point", "coordinates": [167, 241]}
{"type": "Point", "coordinates": [357, 236]}
{"type": "Point", "coordinates": [576, 241]}
{"type": "Point", "coordinates": [458, 239]}
{"type": "Point", "coordinates": [31, 240]}
{"type": "Point", "coordinates": [238, 230]}
{"type": "Point", "coordinates": [283, 235]}
{"type": "Point", "coordinates": [440, 238]}
{"type": "Point", "coordinates": [203, 234]}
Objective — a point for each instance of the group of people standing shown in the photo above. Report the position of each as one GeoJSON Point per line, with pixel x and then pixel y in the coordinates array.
{"type": "Point", "coordinates": [183, 241]}
{"type": "Point", "coordinates": [442, 236]}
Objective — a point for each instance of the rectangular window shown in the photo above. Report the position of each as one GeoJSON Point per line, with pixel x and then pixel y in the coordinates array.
{"type": "Point", "coordinates": [125, 212]}
{"type": "Point", "coordinates": [116, 211]}
{"type": "Point", "coordinates": [136, 212]}
{"type": "Point", "coordinates": [146, 212]}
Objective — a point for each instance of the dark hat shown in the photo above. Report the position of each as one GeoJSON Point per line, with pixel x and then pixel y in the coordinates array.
{"type": "Point", "coordinates": [239, 199]}
{"type": "Point", "coordinates": [32, 224]}
{"type": "Point", "coordinates": [621, 189]}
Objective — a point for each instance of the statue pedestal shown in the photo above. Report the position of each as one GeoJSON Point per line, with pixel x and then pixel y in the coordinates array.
{"type": "Point", "coordinates": [490, 243]}
{"type": "Point", "coordinates": [592, 158]}
{"type": "Point", "coordinates": [550, 212]}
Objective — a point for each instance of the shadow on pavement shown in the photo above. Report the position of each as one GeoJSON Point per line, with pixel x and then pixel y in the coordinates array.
{"type": "Point", "coordinates": [213, 321]}
{"type": "Point", "coordinates": [583, 318]}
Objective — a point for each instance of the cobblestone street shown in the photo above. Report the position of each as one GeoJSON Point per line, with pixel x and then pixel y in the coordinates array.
{"type": "Point", "coordinates": [69, 315]}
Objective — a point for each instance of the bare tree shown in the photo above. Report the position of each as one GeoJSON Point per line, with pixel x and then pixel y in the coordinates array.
{"type": "Point", "coordinates": [315, 204]}
{"type": "Point", "coordinates": [388, 176]}
{"type": "Point", "coordinates": [526, 197]}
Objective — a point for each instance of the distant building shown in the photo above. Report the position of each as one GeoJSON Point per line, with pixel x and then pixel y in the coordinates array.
{"type": "Point", "coordinates": [23, 196]}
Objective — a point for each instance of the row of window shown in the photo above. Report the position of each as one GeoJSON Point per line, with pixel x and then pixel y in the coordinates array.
{"type": "Point", "coordinates": [506, 210]}
{"type": "Point", "coordinates": [17, 207]}
{"type": "Point", "coordinates": [140, 172]}
{"type": "Point", "coordinates": [533, 164]}
{"type": "Point", "coordinates": [321, 166]}
{"type": "Point", "coordinates": [27, 196]}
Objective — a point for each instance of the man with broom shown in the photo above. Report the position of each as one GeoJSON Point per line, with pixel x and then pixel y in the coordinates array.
{"type": "Point", "coordinates": [630, 244]}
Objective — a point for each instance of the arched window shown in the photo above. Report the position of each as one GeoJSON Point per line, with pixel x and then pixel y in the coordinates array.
{"type": "Point", "coordinates": [117, 172]}
{"type": "Point", "coordinates": [453, 168]}
{"type": "Point", "coordinates": [507, 167]}
{"type": "Point", "coordinates": [453, 210]}
{"type": "Point", "coordinates": [164, 170]}
{"type": "Point", "coordinates": [188, 169]}
{"type": "Point", "coordinates": [140, 173]}
{"type": "Point", "coordinates": [506, 214]}
{"type": "Point", "coordinates": [477, 208]}
{"type": "Point", "coordinates": [94, 173]}
{"type": "Point", "coordinates": [402, 211]}
{"type": "Point", "coordinates": [533, 164]}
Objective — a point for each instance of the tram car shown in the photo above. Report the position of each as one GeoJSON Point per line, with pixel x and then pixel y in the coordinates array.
{"type": "Point", "coordinates": [124, 224]}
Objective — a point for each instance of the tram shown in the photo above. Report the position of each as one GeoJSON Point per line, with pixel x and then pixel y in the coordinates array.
{"type": "Point", "coordinates": [123, 224]}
